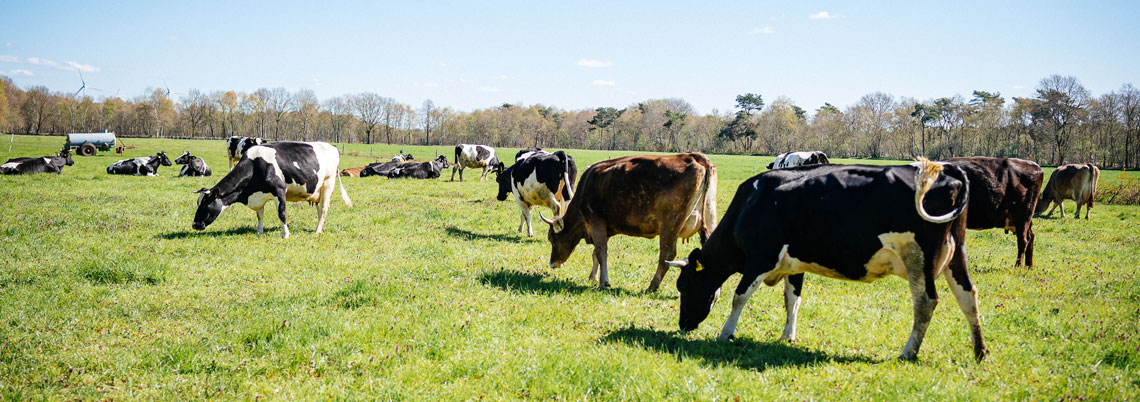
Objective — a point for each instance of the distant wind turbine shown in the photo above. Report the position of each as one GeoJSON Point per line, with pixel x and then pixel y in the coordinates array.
{"type": "Point", "coordinates": [83, 87]}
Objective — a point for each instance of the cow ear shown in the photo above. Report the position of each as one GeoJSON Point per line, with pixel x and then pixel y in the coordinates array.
{"type": "Point", "coordinates": [770, 165]}
{"type": "Point", "coordinates": [202, 190]}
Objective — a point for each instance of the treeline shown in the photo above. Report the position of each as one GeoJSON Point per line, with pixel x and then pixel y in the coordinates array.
{"type": "Point", "coordinates": [1062, 122]}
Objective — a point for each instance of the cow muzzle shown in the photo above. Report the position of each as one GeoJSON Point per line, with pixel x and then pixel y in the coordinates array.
{"type": "Point", "coordinates": [198, 226]}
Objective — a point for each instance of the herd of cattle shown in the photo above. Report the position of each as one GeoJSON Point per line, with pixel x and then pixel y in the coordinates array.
{"type": "Point", "coordinates": [805, 215]}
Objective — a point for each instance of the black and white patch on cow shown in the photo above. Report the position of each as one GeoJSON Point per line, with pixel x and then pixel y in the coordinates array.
{"type": "Point", "coordinates": [475, 157]}
{"type": "Point", "coordinates": [46, 164]}
{"type": "Point", "coordinates": [141, 166]}
{"type": "Point", "coordinates": [281, 171]}
{"type": "Point", "coordinates": [192, 166]}
{"type": "Point", "coordinates": [420, 170]}
{"type": "Point", "coordinates": [538, 178]}
{"type": "Point", "coordinates": [237, 146]}
{"type": "Point", "coordinates": [793, 159]}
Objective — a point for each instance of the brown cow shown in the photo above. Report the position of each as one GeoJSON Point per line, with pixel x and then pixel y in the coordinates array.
{"type": "Point", "coordinates": [352, 172]}
{"type": "Point", "coordinates": [1070, 182]}
{"type": "Point", "coordinates": [1003, 194]}
{"type": "Point", "coordinates": [671, 196]}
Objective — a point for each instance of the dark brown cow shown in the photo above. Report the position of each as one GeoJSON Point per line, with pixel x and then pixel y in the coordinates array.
{"type": "Point", "coordinates": [1003, 194]}
{"type": "Point", "coordinates": [671, 196]}
{"type": "Point", "coordinates": [1075, 182]}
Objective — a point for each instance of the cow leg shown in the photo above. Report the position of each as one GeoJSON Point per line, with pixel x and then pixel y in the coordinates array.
{"type": "Point", "coordinates": [260, 220]}
{"type": "Point", "coordinates": [967, 296]}
{"type": "Point", "coordinates": [1031, 236]}
{"type": "Point", "coordinates": [748, 284]}
{"type": "Point", "coordinates": [453, 169]}
{"type": "Point", "coordinates": [601, 250]}
{"type": "Point", "coordinates": [526, 219]}
{"type": "Point", "coordinates": [1022, 242]}
{"type": "Point", "coordinates": [594, 267]}
{"type": "Point", "coordinates": [326, 199]}
{"type": "Point", "coordinates": [281, 214]}
{"type": "Point", "coordinates": [1077, 211]}
{"type": "Point", "coordinates": [919, 269]}
{"type": "Point", "coordinates": [668, 251]}
{"type": "Point", "coordinates": [793, 288]}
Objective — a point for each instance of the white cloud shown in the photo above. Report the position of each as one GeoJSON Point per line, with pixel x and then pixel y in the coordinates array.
{"type": "Point", "coordinates": [489, 89]}
{"type": "Point", "coordinates": [503, 76]}
{"type": "Point", "coordinates": [604, 83]}
{"type": "Point", "coordinates": [442, 64]}
{"type": "Point", "coordinates": [36, 61]}
{"type": "Point", "coordinates": [7, 44]}
{"type": "Point", "coordinates": [9, 59]}
{"type": "Point", "coordinates": [21, 72]}
{"type": "Point", "coordinates": [431, 84]}
{"type": "Point", "coordinates": [822, 15]}
{"type": "Point", "coordinates": [594, 63]}
{"type": "Point", "coordinates": [82, 67]}
{"type": "Point", "coordinates": [762, 31]}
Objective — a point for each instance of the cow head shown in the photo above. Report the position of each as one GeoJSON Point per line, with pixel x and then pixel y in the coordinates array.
{"type": "Point", "coordinates": [818, 158]}
{"type": "Point", "coordinates": [210, 205]}
{"type": "Point", "coordinates": [564, 235]}
{"type": "Point", "coordinates": [66, 155]}
{"type": "Point", "coordinates": [504, 180]}
{"type": "Point", "coordinates": [770, 164]}
{"type": "Point", "coordinates": [699, 290]}
{"type": "Point", "coordinates": [498, 168]}
{"type": "Point", "coordinates": [443, 161]}
{"type": "Point", "coordinates": [162, 159]}
{"type": "Point", "coordinates": [409, 157]}
{"type": "Point", "coordinates": [184, 159]}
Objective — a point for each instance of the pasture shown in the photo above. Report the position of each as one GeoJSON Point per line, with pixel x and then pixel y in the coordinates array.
{"type": "Point", "coordinates": [425, 290]}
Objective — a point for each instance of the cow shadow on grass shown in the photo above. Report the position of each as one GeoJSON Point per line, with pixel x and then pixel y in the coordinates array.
{"type": "Point", "coordinates": [539, 283]}
{"type": "Point", "coordinates": [467, 235]}
{"type": "Point", "coordinates": [740, 352]}
{"type": "Point", "coordinates": [211, 233]}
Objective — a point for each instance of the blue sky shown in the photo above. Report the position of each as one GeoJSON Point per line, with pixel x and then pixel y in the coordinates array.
{"type": "Point", "coordinates": [574, 54]}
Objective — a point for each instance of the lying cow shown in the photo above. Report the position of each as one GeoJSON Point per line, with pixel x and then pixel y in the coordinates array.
{"type": "Point", "coordinates": [46, 164]}
{"type": "Point", "coordinates": [420, 170]}
{"type": "Point", "coordinates": [793, 159]}
{"type": "Point", "coordinates": [382, 169]}
{"type": "Point", "coordinates": [1075, 182]}
{"type": "Point", "coordinates": [284, 171]}
{"type": "Point", "coordinates": [352, 172]}
{"type": "Point", "coordinates": [538, 178]}
{"type": "Point", "coordinates": [237, 146]}
{"type": "Point", "coordinates": [141, 166]}
{"type": "Point", "coordinates": [857, 223]}
{"type": "Point", "coordinates": [1003, 194]}
{"type": "Point", "coordinates": [672, 196]}
{"type": "Point", "coordinates": [473, 156]}
{"type": "Point", "coordinates": [192, 166]}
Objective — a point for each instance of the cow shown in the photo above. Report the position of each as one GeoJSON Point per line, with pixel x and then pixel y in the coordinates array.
{"type": "Point", "coordinates": [352, 172]}
{"type": "Point", "coordinates": [1075, 182]}
{"type": "Point", "coordinates": [671, 196]}
{"type": "Point", "coordinates": [856, 223]}
{"type": "Point", "coordinates": [793, 159]}
{"type": "Point", "coordinates": [46, 164]}
{"type": "Point", "coordinates": [539, 178]}
{"type": "Point", "coordinates": [192, 165]}
{"type": "Point", "coordinates": [474, 156]}
{"type": "Point", "coordinates": [237, 146]}
{"type": "Point", "coordinates": [284, 171]}
{"type": "Point", "coordinates": [382, 169]}
{"type": "Point", "coordinates": [420, 170]}
{"type": "Point", "coordinates": [1003, 194]}
{"type": "Point", "coordinates": [141, 166]}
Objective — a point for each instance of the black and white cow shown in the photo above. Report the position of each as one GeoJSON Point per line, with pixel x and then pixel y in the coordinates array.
{"type": "Point", "coordinates": [236, 146]}
{"type": "Point", "coordinates": [420, 170]}
{"type": "Point", "coordinates": [141, 166]}
{"type": "Point", "coordinates": [382, 169]}
{"type": "Point", "coordinates": [793, 159]}
{"type": "Point", "coordinates": [284, 171]}
{"type": "Point", "coordinates": [46, 164]}
{"type": "Point", "coordinates": [474, 156]}
{"type": "Point", "coordinates": [192, 165]}
{"type": "Point", "coordinates": [538, 178]}
{"type": "Point", "coordinates": [856, 223]}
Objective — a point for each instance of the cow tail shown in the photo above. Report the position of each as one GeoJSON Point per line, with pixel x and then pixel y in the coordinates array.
{"type": "Point", "coordinates": [1095, 181]}
{"type": "Point", "coordinates": [458, 149]}
{"type": "Point", "coordinates": [925, 177]}
{"type": "Point", "coordinates": [343, 194]}
{"type": "Point", "coordinates": [566, 174]}
{"type": "Point", "coordinates": [709, 213]}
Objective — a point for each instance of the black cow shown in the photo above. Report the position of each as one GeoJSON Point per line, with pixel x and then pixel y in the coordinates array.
{"type": "Point", "coordinates": [285, 171]}
{"type": "Point", "coordinates": [192, 166]}
{"type": "Point", "coordinates": [141, 166]}
{"type": "Point", "coordinates": [237, 146]}
{"type": "Point", "coordinates": [420, 170]}
{"type": "Point", "coordinates": [538, 178]}
{"type": "Point", "coordinates": [857, 223]}
{"type": "Point", "coordinates": [474, 156]}
{"type": "Point", "coordinates": [46, 164]}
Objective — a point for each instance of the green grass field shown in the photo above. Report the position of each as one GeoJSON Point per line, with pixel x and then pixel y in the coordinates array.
{"type": "Point", "coordinates": [424, 290]}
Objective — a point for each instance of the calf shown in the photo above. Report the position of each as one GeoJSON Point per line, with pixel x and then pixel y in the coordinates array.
{"type": "Point", "coordinates": [671, 196]}
{"type": "Point", "coordinates": [46, 164]}
{"type": "Point", "coordinates": [1003, 194]}
{"type": "Point", "coordinates": [192, 165]}
{"type": "Point", "coordinates": [473, 156]}
{"type": "Point", "coordinates": [284, 171]}
{"type": "Point", "coordinates": [422, 170]}
{"type": "Point", "coordinates": [538, 178]}
{"type": "Point", "coordinates": [793, 159]}
{"type": "Point", "coordinates": [237, 146]}
{"type": "Point", "coordinates": [1075, 182]}
{"type": "Point", "coordinates": [352, 172]}
{"type": "Point", "coordinates": [141, 166]}
{"type": "Point", "coordinates": [857, 223]}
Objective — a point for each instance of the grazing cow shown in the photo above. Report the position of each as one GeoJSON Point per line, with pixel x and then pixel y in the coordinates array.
{"type": "Point", "coordinates": [46, 164]}
{"type": "Point", "coordinates": [672, 196]}
{"type": "Point", "coordinates": [237, 146]}
{"type": "Point", "coordinates": [382, 169]}
{"type": "Point", "coordinates": [285, 171]}
{"type": "Point", "coordinates": [192, 165]}
{"type": "Point", "coordinates": [420, 170]}
{"type": "Point", "coordinates": [141, 166]}
{"type": "Point", "coordinates": [856, 223]}
{"type": "Point", "coordinates": [538, 178]}
{"type": "Point", "coordinates": [474, 156]}
{"type": "Point", "coordinates": [1075, 182]}
{"type": "Point", "coordinates": [1003, 194]}
{"type": "Point", "coordinates": [793, 159]}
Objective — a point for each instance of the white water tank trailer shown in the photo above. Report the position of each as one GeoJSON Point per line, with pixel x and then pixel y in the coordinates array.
{"type": "Point", "coordinates": [85, 144]}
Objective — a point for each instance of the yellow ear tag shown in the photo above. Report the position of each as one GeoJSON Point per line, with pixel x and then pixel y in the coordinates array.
{"type": "Point", "coordinates": [699, 267]}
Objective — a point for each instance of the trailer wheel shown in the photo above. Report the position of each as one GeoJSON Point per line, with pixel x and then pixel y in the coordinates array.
{"type": "Point", "coordinates": [87, 149]}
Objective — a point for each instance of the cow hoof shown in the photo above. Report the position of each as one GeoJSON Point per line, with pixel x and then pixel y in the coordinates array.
{"type": "Point", "coordinates": [726, 338]}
